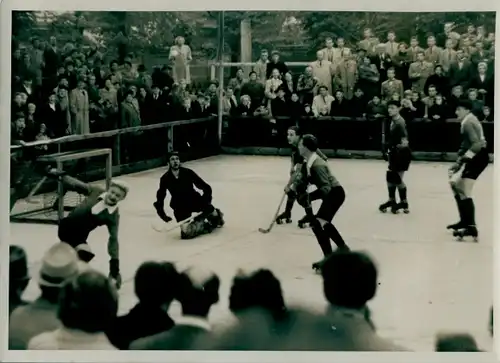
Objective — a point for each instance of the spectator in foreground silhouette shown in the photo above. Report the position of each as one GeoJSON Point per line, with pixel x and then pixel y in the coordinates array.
{"type": "Point", "coordinates": [18, 277]}
{"type": "Point", "coordinates": [87, 307]}
{"type": "Point", "coordinates": [155, 288]}
{"type": "Point", "coordinates": [198, 291]}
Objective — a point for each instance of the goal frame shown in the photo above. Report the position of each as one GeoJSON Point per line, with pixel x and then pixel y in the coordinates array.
{"type": "Point", "coordinates": [59, 159]}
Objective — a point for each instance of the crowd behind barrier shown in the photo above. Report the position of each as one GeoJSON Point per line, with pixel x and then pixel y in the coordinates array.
{"type": "Point", "coordinates": [60, 90]}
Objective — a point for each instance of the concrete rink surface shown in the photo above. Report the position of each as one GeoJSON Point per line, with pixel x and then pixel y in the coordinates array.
{"type": "Point", "coordinates": [428, 281]}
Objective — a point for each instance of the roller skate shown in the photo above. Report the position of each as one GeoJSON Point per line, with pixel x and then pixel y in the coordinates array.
{"type": "Point", "coordinates": [303, 222]}
{"type": "Point", "coordinates": [389, 204]}
{"type": "Point", "coordinates": [403, 206]}
{"type": "Point", "coordinates": [285, 216]}
{"type": "Point", "coordinates": [455, 226]}
{"type": "Point", "coordinates": [466, 231]}
{"type": "Point", "coordinates": [317, 266]}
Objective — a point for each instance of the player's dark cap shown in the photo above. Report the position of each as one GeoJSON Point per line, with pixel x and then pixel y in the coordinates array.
{"type": "Point", "coordinates": [393, 103]}
{"type": "Point", "coordinates": [466, 104]}
{"type": "Point", "coordinates": [173, 153]}
{"type": "Point", "coordinates": [310, 142]}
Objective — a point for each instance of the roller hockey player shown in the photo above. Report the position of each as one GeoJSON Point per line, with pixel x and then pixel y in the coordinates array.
{"type": "Point", "coordinates": [293, 138]}
{"type": "Point", "coordinates": [185, 200]}
{"type": "Point", "coordinates": [399, 158]}
{"type": "Point", "coordinates": [472, 160]}
{"type": "Point", "coordinates": [100, 208]}
{"type": "Point", "coordinates": [315, 171]}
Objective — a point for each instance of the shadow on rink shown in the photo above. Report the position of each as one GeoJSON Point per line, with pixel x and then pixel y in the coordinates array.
{"type": "Point", "coordinates": [428, 281]}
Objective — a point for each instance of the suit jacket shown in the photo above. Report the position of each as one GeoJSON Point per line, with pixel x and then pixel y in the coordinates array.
{"type": "Point", "coordinates": [432, 55]}
{"type": "Point", "coordinates": [418, 74]}
{"type": "Point", "coordinates": [412, 52]}
{"type": "Point", "coordinates": [79, 106]}
{"type": "Point", "coordinates": [391, 48]}
{"type": "Point", "coordinates": [460, 76]}
{"type": "Point", "coordinates": [447, 58]}
{"type": "Point", "coordinates": [369, 45]}
{"type": "Point", "coordinates": [155, 109]}
{"type": "Point", "coordinates": [476, 57]}
{"type": "Point", "coordinates": [260, 68]}
{"type": "Point", "coordinates": [388, 88]}
{"type": "Point", "coordinates": [184, 336]}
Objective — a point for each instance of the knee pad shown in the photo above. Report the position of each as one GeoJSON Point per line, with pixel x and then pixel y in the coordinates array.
{"type": "Point", "coordinates": [392, 177]}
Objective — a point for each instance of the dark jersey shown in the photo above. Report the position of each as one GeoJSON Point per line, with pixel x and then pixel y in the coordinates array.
{"type": "Point", "coordinates": [472, 135]}
{"type": "Point", "coordinates": [397, 133]}
{"type": "Point", "coordinates": [181, 188]}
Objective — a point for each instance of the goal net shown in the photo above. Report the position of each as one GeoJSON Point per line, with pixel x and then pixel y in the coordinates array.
{"type": "Point", "coordinates": [39, 197]}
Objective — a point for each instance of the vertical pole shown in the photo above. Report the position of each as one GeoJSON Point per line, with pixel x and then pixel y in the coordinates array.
{"type": "Point", "coordinates": [60, 192]}
{"type": "Point", "coordinates": [220, 60]}
{"type": "Point", "coordinates": [109, 168]}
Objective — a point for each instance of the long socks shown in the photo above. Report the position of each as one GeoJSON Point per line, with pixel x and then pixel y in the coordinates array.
{"type": "Point", "coordinates": [469, 212]}
{"type": "Point", "coordinates": [334, 235]}
{"type": "Point", "coordinates": [392, 192]}
{"type": "Point", "coordinates": [402, 193]}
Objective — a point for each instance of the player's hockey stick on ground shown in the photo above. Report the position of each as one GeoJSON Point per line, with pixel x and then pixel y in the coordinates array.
{"type": "Point", "coordinates": [170, 227]}
{"type": "Point", "coordinates": [267, 230]}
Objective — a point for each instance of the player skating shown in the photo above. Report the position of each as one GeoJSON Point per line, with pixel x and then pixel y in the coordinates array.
{"type": "Point", "coordinates": [472, 159]}
{"type": "Point", "coordinates": [100, 208]}
{"type": "Point", "coordinates": [315, 171]}
{"type": "Point", "coordinates": [293, 138]}
{"type": "Point", "coordinates": [185, 200]}
{"type": "Point", "coordinates": [399, 159]}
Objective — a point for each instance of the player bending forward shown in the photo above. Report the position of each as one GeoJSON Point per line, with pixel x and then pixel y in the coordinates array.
{"type": "Point", "coordinates": [100, 208]}
{"type": "Point", "coordinates": [293, 137]}
{"type": "Point", "coordinates": [185, 201]}
{"type": "Point", "coordinates": [315, 171]}
{"type": "Point", "coordinates": [472, 159]}
{"type": "Point", "coordinates": [399, 158]}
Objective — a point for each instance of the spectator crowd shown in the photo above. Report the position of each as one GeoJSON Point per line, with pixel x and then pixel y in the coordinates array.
{"type": "Point", "coordinates": [77, 309]}
{"type": "Point", "coordinates": [60, 90]}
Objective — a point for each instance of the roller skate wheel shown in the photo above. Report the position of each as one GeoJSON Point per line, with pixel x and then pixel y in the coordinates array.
{"type": "Point", "coordinates": [279, 221]}
{"type": "Point", "coordinates": [406, 211]}
{"type": "Point", "coordinates": [288, 220]}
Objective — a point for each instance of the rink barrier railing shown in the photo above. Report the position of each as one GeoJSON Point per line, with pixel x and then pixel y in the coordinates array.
{"type": "Point", "coordinates": [146, 147]}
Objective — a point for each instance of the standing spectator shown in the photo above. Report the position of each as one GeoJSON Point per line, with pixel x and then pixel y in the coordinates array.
{"type": "Point", "coordinates": [448, 56]}
{"type": "Point", "coordinates": [323, 71]}
{"type": "Point", "coordinates": [70, 74]}
{"type": "Point", "coordinates": [391, 47]}
{"type": "Point", "coordinates": [87, 308]}
{"type": "Point", "coordinates": [18, 133]}
{"type": "Point", "coordinates": [260, 67]}
{"type": "Point", "coordinates": [276, 63]}
{"type": "Point", "coordinates": [339, 52]}
{"type": "Point", "coordinates": [346, 74]}
{"type": "Point", "coordinates": [288, 85]}
{"type": "Point", "coordinates": [156, 106]}
{"type": "Point", "coordinates": [460, 72]}
{"type": "Point", "coordinates": [59, 265]}
{"type": "Point", "coordinates": [130, 113]}
{"type": "Point", "coordinates": [484, 83]}
{"type": "Point", "coordinates": [322, 103]}
{"type": "Point", "coordinates": [144, 79]}
{"type": "Point", "coordinates": [272, 85]}
{"type": "Point", "coordinates": [16, 65]}
{"type": "Point", "coordinates": [64, 110]}
{"type": "Point", "coordinates": [129, 75]}
{"type": "Point", "coordinates": [391, 86]}
{"type": "Point", "coordinates": [450, 35]}
{"type": "Point", "coordinates": [438, 80]}
{"type": "Point", "coordinates": [368, 78]}
{"type": "Point", "coordinates": [254, 89]}
{"type": "Point", "coordinates": [79, 106]}
{"type": "Point", "coordinates": [307, 86]}
{"type": "Point", "coordinates": [401, 64]}
{"type": "Point", "coordinates": [18, 277]}
{"type": "Point", "coordinates": [237, 83]}
{"type": "Point", "coordinates": [52, 59]}
{"type": "Point", "coordinates": [155, 287]}
{"type": "Point", "coordinates": [114, 74]}
{"type": "Point", "coordinates": [418, 72]}
{"type": "Point", "coordinates": [37, 60]}
{"type": "Point", "coordinates": [18, 104]}
{"type": "Point", "coordinates": [198, 292]}
{"type": "Point", "coordinates": [109, 94]}
{"type": "Point", "coordinates": [27, 87]}
{"type": "Point", "coordinates": [27, 68]}
{"type": "Point", "coordinates": [433, 52]}
{"type": "Point", "coordinates": [382, 61]}
{"type": "Point", "coordinates": [414, 49]}
{"type": "Point", "coordinates": [479, 54]}
{"type": "Point", "coordinates": [230, 102]}
{"type": "Point", "coordinates": [369, 42]}
{"type": "Point", "coordinates": [181, 56]}
{"type": "Point", "coordinates": [329, 51]}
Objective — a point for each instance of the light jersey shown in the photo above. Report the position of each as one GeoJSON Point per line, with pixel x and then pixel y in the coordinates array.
{"type": "Point", "coordinates": [472, 133]}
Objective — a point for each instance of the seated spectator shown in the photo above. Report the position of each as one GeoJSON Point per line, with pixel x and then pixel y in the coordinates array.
{"type": "Point", "coordinates": [375, 110]}
{"type": "Point", "coordinates": [18, 105]}
{"type": "Point", "coordinates": [391, 86]}
{"type": "Point", "coordinates": [358, 103]}
{"type": "Point", "coordinates": [245, 106]}
{"type": "Point", "coordinates": [487, 114]}
{"type": "Point", "coordinates": [439, 110]}
{"type": "Point", "coordinates": [418, 105]}
{"type": "Point", "coordinates": [308, 112]}
{"type": "Point", "coordinates": [272, 86]}
{"type": "Point", "coordinates": [289, 85]}
{"type": "Point", "coordinates": [237, 83]}
{"type": "Point", "coordinates": [199, 107]}
{"type": "Point", "coordinates": [198, 292]}
{"type": "Point", "coordinates": [477, 105]}
{"type": "Point", "coordinates": [407, 111]}
{"type": "Point", "coordinates": [296, 109]}
{"type": "Point", "coordinates": [87, 308]}
{"type": "Point", "coordinates": [438, 80]}
{"type": "Point", "coordinates": [340, 107]}
{"type": "Point", "coordinates": [454, 100]}
{"type": "Point", "coordinates": [279, 105]}
{"type": "Point", "coordinates": [322, 103]}
{"type": "Point", "coordinates": [19, 277]}
{"type": "Point", "coordinates": [254, 89]}
{"type": "Point", "coordinates": [18, 135]}
{"type": "Point", "coordinates": [484, 83]}
{"type": "Point", "coordinates": [59, 265]}
{"type": "Point", "coordinates": [229, 103]}
{"type": "Point", "coordinates": [155, 287]}
{"type": "Point", "coordinates": [307, 86]}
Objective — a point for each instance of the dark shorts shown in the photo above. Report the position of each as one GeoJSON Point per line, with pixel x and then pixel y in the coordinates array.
{"type": "Point", "coordinates": [331, 204]}
{"type": "Point", "coordinates": [195, 204]}
{"type": "Point", "coordinates": [399, 160]}
{"type": "Point", "coordinates": [476, 165]}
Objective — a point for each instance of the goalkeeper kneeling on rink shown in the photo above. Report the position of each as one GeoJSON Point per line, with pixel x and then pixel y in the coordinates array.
{"type": "Point", "coordinates": [186, 200]}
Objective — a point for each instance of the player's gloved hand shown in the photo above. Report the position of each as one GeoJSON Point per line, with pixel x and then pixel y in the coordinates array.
{"type": "Point", "coordinates": [114, 272]}
{"type": "Point", "coordinates": [454, 168]}
{"type": "Point", "coordinates": [161, 212]}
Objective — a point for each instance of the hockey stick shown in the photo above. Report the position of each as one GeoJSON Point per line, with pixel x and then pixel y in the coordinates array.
{"type": "Point", "coordinates": [29, 199]}
{"type": "Point", "coordinates": [267, 230]}
{"type": "Point", "coordinates": [168, 228]}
